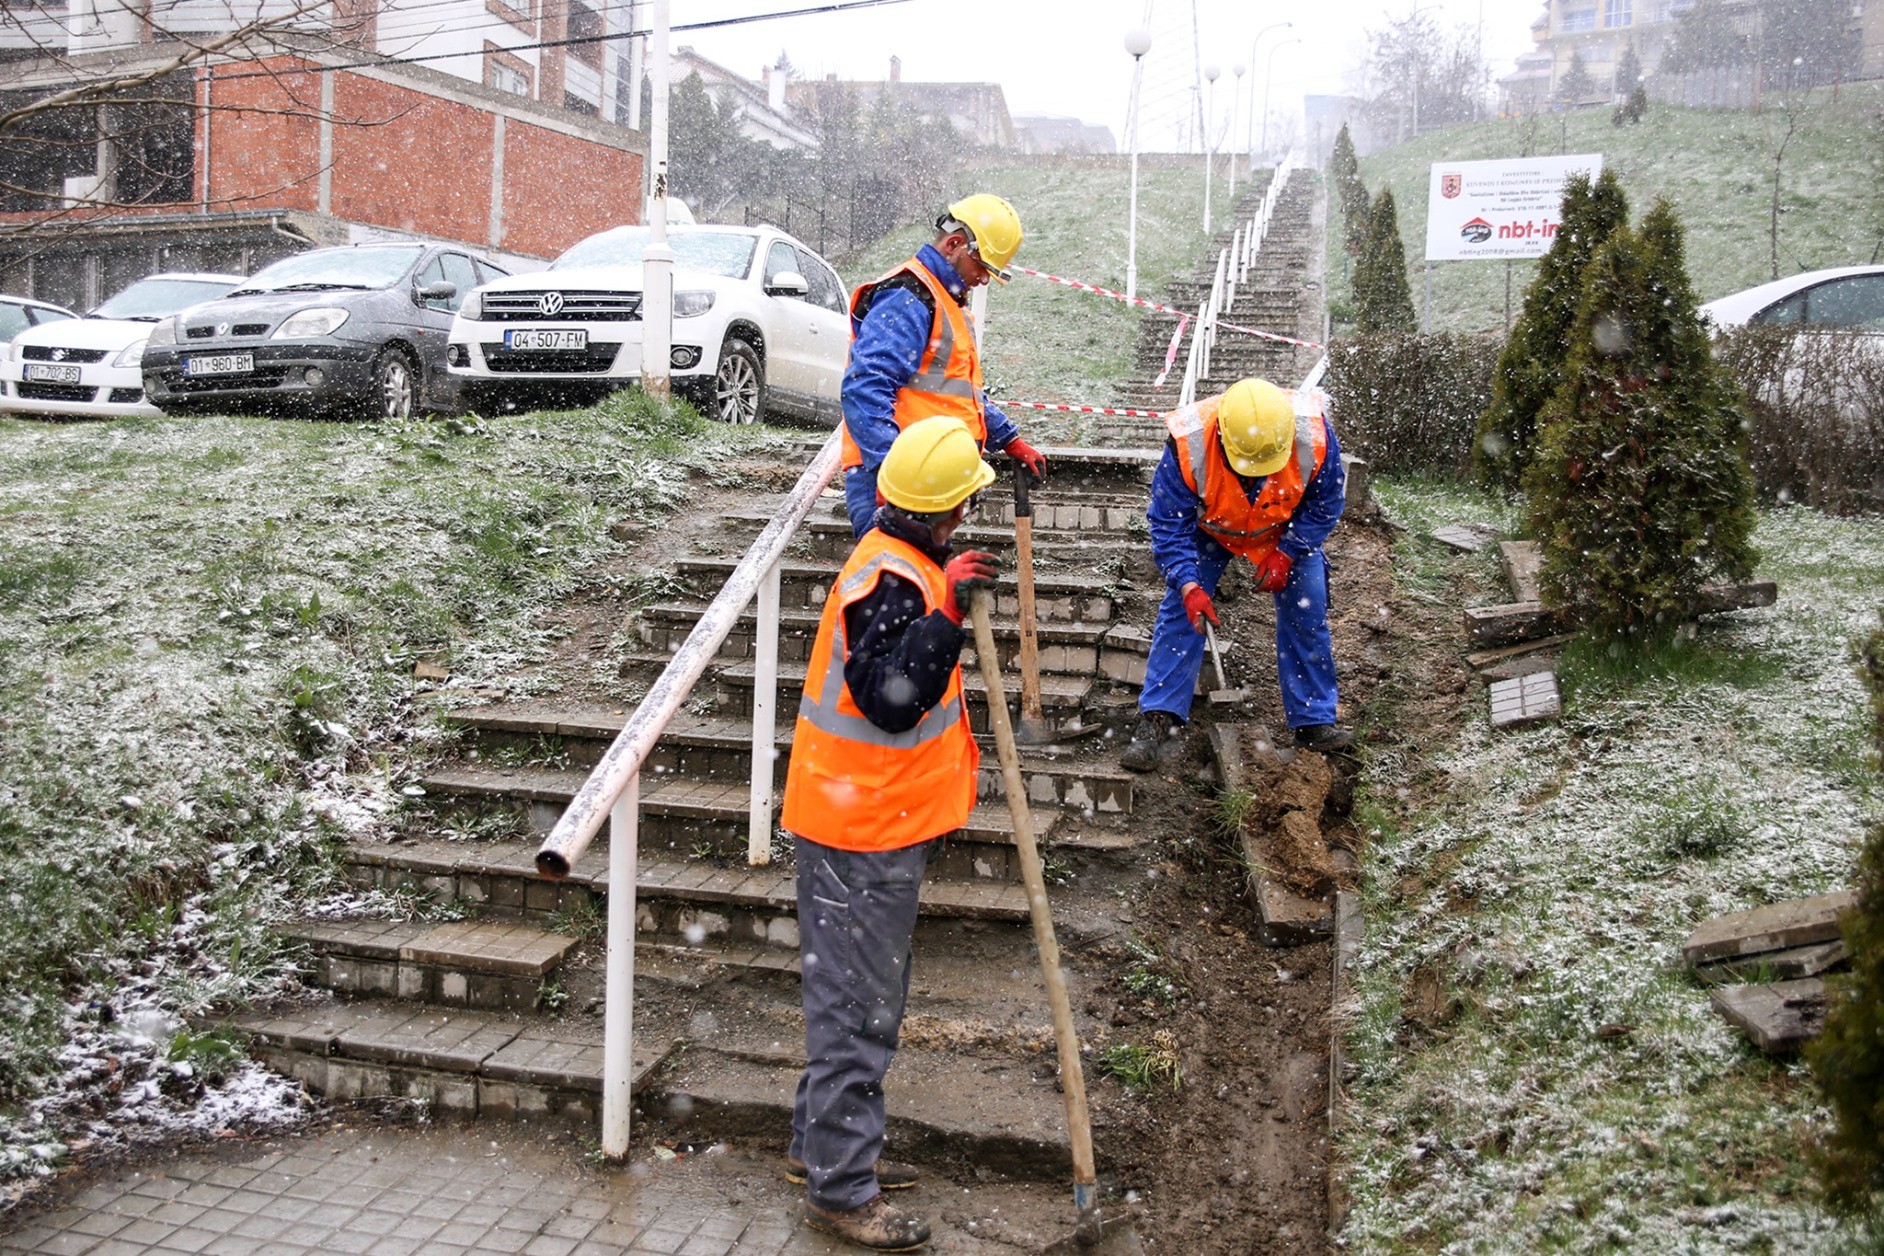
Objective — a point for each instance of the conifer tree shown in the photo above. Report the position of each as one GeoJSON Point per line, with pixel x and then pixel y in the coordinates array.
{"type": "Point", "coordinates": [1383, 300]}
{"type": "Point", "coordinates": [1848, 1056]}
{"type": "Point", "coordinates": [1640, 492]}
{"type": "Point", "coordinates": [1531, 367]}
{"type": "Point", "coordinates": [1344, 168]}
{"type": "Point", "coordinates": [1576, 83]}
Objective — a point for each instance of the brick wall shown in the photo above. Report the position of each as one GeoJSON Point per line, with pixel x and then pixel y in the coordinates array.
{"type": "Point", "coordinates": [558, 189]}
{"type": "Point", "coordinates": [416, 163]}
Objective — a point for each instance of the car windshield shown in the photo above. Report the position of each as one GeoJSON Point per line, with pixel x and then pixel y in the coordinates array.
{"type": "Point", "coordinates": [159, 297]}
{"type": "Point", "coordinates": [335, 268]}
{"type": "Point", "coordinates": [712, 252]}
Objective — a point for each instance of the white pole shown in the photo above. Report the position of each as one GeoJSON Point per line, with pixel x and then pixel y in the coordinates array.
{"type": "Point", "coordinates": [657, 268]}
{"type": "Point", "coordinates": [637, 63]}
{"type": "Point", "coordinates": [1137, 43]}
{"type": "Point", "coordinates": [1210, 148]}
{"type": "Point", "coordinates": [1236, 102]}
{"type": "Point", "coordinates": [764, 720]}
{"type": "Point", "coordinates": [618, 1007]}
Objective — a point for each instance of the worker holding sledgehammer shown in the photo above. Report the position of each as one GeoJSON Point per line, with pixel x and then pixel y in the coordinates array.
{"type": "Point", "coordinates": [913, 351]}
{"type": "Point", "coordinates": [883, 765]}
{"type": "Point", "coordinates": [1255, 471]}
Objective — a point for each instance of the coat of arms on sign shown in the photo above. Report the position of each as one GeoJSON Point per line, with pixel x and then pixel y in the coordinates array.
{"type": "Point", "coordinates": [1450, 185]}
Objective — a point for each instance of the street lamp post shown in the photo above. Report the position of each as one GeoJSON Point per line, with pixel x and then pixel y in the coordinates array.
{"type": "Point", "coordinates": [1236, 101]}
{"type": "Point", "coordinates": [1269, 74]}
{"type": "Point", "coordinates": [1249, 132]}
{"type": "Point", "coordinates": [1417, 10]}
{"type": "Point", "coordinates": [1211, 72]}
{"type": "Point", "coordinates": [1137, 43]}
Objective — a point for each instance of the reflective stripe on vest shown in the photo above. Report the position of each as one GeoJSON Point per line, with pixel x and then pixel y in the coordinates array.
{"type": "Point", "coordinates": [948, 374]}
{"type": "Point", "coordinates": [824, 713]}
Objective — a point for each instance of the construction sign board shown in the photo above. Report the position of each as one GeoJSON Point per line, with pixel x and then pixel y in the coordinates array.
{"type": "Point", "coordinates": [1476, 210]}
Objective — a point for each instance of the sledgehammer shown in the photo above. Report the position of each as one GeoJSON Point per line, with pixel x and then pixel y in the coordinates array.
{"type": "Point", "coordinates": [1222, 695]}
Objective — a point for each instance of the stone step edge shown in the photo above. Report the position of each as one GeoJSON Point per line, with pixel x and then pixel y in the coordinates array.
{"type": "Point", "coordinates": [803, 622]}
{"type": "Point", "coordinates": [1045, 582]}
{"type": "Point", "coordinates": [326, 936]}
{"type": "Point", "coordinates": [1055, 691]}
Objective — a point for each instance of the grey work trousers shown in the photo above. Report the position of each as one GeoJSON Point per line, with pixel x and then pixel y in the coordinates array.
{"type": "Point", "coordinates": [856, 920]}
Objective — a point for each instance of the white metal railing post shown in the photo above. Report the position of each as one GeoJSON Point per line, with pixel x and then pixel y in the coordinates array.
{"type": "Point", "coordinates": [764, 719]}
{"type": "Point", "coordinates": [618, 1015]}
{"type": "Point", "coordinates": [1236, 252]}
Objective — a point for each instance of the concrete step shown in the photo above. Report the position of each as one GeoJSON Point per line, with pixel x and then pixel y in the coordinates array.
{"type": "Point", "coordinates": [714, 748]}
{"type": "Point", "coordinates": [1062, 698]}
{"type": "Point", "coordinates": [1059, 597]}
{"type": "Point", "coordinates": [493, 965]}
{"type": "Point", "coordinates": [1116, 533]}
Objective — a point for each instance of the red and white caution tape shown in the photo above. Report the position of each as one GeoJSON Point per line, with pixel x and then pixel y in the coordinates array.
{"type": "Point", "coordinates": [1066, 409]}
{"type": "Point", "coordinates": [1170, 351]}
{"type": "Point", "coordinates": [1166, 309]}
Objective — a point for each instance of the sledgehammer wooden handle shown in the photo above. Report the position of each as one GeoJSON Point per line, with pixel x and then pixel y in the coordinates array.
{"type": "Point", "coordinates": [1072, 1076]}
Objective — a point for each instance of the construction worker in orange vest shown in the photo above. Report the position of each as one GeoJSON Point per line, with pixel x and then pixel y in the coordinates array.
{"type": "Point", "coordinates": [913, 351]}
{"type": "Point", "coordinates": [1255, 471]}
{"type": "Point", "coordinates": [882, 765]}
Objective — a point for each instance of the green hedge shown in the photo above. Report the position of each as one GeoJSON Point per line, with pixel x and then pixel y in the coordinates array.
{"type": "Point", "coordinates": [1817, 403]}
{"type": "Point", "coordinates": [1411, 402]}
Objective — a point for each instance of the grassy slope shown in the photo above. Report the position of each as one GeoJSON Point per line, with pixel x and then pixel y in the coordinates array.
{"type": "Point", "coordinates": [1715, 165]}
{"type": "Point", "coordinates": [1051, 343]}
{"type": "Point", "coordinates": [207, 637]}
{"type": "Point", "coordinates": [1547, 886]}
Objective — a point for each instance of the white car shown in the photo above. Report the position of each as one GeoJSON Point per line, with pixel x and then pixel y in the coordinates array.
{"type": "Point", "coordinates": [1845, 297]}
{"type": "Point", "coordinates": [761, 326]}
{"type": "Point", "coordinates": [91, 367]}
{"type": "Point", "coordinates": [19, 313]}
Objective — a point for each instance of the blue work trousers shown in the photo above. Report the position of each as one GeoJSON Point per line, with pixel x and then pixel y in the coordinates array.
{"type": "Point", "coordinates": [856, 921]}
{"type": "Point", "coordinates": [1304, 647]}
{"type": "Point", "coordinates": [860, 498]}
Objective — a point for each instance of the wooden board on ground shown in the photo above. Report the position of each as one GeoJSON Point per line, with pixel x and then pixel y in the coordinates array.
{"type": "Point", "coordinates": [1787, 965]}
{"type": "Point", "coordinates": [1776, 1017]}
{"type": "Point", "coordinates": [1522, 562]}
{"type": "Point", "coordinates": [1467, 537]}
{"type": "Point", "coordinates": [1523, 700]}
{"type": "Point", "coordinates": [1522, 621]}
{"type": "Point", "coordinates": [1487, 658]}
{"type": "Point", "coordinates": [1774, 927]}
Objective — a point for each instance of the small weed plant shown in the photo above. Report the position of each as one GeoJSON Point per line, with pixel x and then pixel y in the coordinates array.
{"type": "Point", "coordinates": [1145, 975]}
{"type": "Point", "coordinates": [1145, 1068]}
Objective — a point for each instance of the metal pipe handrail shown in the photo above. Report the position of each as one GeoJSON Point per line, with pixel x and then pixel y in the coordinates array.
{"type": "Point", "coordinates": [631, 747]}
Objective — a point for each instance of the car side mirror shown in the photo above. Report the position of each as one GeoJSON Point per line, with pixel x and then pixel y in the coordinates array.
{"type": "Point", "coordinates": [438, 290]}
{"type": "Point", "coordinates": [787, 283]}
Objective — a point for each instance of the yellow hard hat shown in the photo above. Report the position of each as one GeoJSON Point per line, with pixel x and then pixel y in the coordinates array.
{"type": "Point", "coordinates": [1256, 421]}
{"type": "Point", "coordinates": [994, 230]}
{"type": "Point", "coordinates": [933, 465]}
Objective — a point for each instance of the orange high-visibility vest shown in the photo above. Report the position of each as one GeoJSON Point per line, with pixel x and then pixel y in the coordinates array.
{"type": "Point", "coordinates": [1224, 509]}
{"type": "Point", "coordinates": [851, 785]}
{"type": "Point", "coordinates": [948, 376]}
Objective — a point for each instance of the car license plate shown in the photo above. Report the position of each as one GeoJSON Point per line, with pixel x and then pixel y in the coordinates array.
{"type": "Point", "coordinates": [52, 374]}
{"type": "Point", "coordinates": [220, 364]}
{"type": "Point", "coordinates": [546, 338]}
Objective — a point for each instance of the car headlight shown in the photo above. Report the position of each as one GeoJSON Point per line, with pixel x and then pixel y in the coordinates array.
{"type": "Point", "coordinates": [473, 306]}
{"type": "Point", "coordinates": [164, 333]}
{"type": "Point", "coordinates": [692, 304]}
{"type": "Point", "coordinates": [323, 320]}
{"type": "Point", "coordinates": [131, 355]}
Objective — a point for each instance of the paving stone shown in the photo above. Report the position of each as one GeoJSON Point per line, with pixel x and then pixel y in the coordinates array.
{"type": "Point", "coordinates": [1525, 700]}
{"type": "Point", "coordinates": [491, 946]}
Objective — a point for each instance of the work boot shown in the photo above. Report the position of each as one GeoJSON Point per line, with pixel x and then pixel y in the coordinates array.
{"type": "Point", "coordinates": [1323, 738]}
{"type": "Point", "coordinates": [891, 1176]}
{"type": "Point", "coordinates": [1153, 730]}
{"type": "Point", "coordinates": [878, 1225]}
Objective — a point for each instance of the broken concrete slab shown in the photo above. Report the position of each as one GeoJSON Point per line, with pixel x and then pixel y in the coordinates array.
{"type": "Point", "coordinates": [1774, 927]}
{"type": "Point", "coordinates": [1523, 700]}
{"type": "Point", "coordinates": [1466, 537]}
{"type": "Point", "coordinates": [1787, 965]}
{"type": "Point", "coordinates": [1522, 561]}
{"type": "Point", "coordinates": [1779, 1017]}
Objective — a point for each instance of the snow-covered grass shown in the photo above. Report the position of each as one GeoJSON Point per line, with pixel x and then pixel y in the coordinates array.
{"type": "Point", "coordinates": [1716, 165]}
{"type": "Point", "coordinates": [1050, 343]}
{"type": "Point", "coordinates": [1536, 1071]}
{"type": "Point", "coordinates": [208, 630]}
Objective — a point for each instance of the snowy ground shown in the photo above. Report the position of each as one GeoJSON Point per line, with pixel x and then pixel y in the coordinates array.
{"type": "Point", "coordinates": [208, 630]}
{"type": "Point", "coordinates": [1536, 1069]}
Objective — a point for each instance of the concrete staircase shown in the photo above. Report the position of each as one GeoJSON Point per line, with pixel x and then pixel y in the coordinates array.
{"type": "Point", "coordinates": [498, 1012]}
{"type": "Point", "coordinates": [1282, 295]}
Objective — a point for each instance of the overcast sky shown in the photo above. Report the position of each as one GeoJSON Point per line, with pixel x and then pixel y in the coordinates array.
{"type": "Point", "coordinates": [1068, 57]}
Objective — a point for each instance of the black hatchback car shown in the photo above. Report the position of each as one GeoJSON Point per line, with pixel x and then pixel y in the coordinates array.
{"type": "Point", "coordinates": [356, 330]}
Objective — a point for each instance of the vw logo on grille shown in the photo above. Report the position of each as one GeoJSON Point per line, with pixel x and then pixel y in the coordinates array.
{"type": "Point", "coordinates": [551, 304]}
{"type": "Point", "coordinates": [222, 329]}
{"type": "Point", "coordinates": [58, 355]}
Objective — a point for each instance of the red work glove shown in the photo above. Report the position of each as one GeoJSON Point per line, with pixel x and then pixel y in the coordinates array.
{"type": "Point", "coordinates": [1199, 607]}
{"type": "Point", "coordinates": [1029, 457]}
{"type": "Point", "coordinates": [1273, 571]}
{"type": "Point", "coordinates": [966, 572]}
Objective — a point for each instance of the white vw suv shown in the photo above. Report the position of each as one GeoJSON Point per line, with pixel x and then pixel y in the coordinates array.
{"type": "Point", "coordinates": [760, 326]}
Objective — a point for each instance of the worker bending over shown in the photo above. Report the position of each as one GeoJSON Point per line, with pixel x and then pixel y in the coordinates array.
{"type": "Point", "coordinates": [1257, 472]}
{"type": "Point", "coordinates": [883, 764]}
{"type": "Point", "coordinates": [913, 351]}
